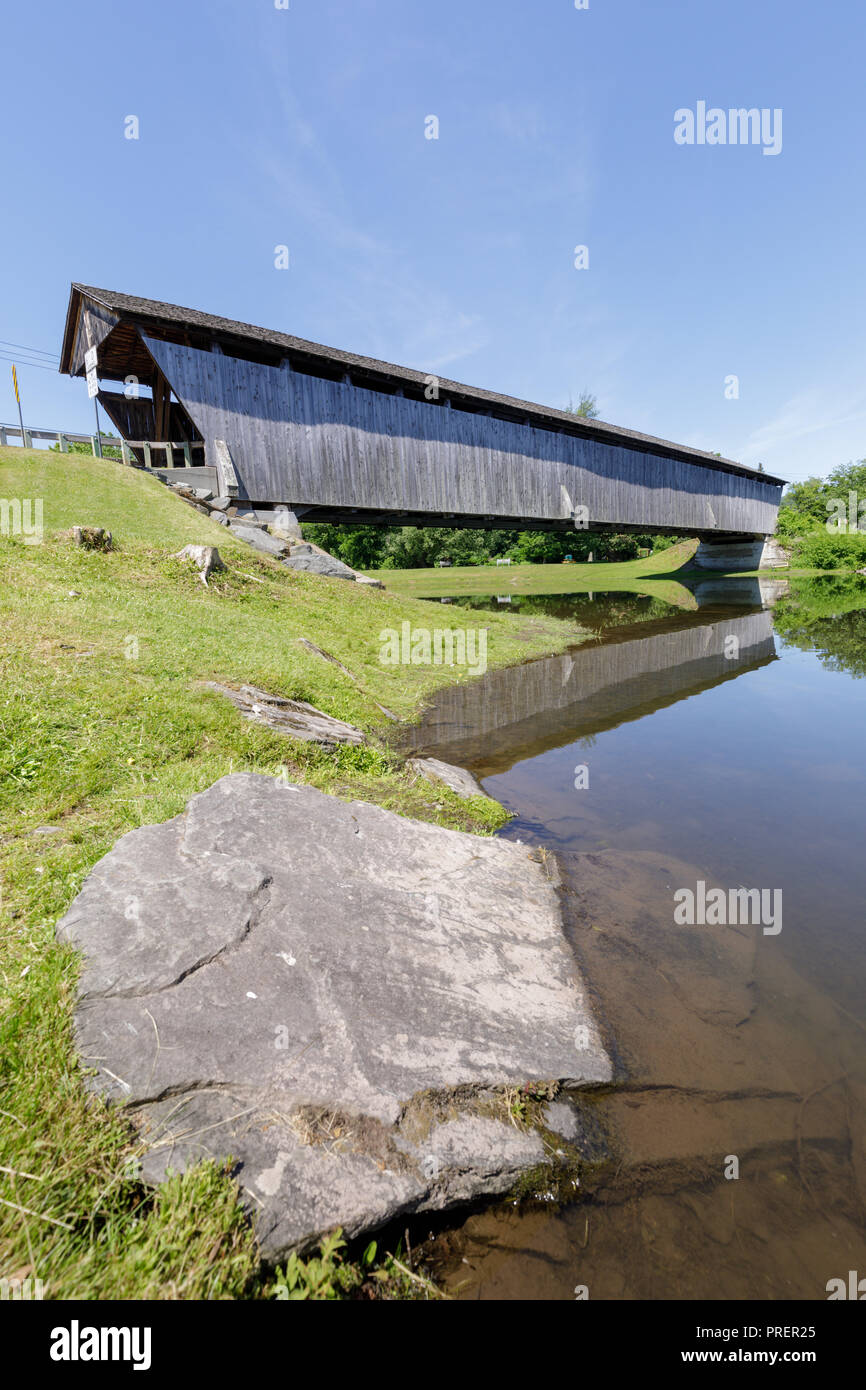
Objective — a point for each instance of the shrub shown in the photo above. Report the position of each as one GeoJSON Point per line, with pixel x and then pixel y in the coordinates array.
{"type": "Point", "coordinates": [823, 550]}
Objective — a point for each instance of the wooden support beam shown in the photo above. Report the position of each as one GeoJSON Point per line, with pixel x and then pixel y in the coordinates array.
{"type": "Point", "coordinates": [161, 406]}
{"type": "Point", "coordinates": [226, 475]}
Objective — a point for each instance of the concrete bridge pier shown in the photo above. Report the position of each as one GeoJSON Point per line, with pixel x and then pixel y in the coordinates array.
{"type": "Point", "coordinates": [740, 553]}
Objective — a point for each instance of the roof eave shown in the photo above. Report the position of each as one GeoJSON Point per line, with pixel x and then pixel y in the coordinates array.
{"type": "Point", "coordinates": [69, 329]}
{"type": "Point", "coordinates": [601, 430]}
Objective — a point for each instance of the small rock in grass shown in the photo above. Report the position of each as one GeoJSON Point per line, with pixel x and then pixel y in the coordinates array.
{"type": "Point", "coordinates": [457, 778]}
{"type": "Point", "coordinates": [293, 717]}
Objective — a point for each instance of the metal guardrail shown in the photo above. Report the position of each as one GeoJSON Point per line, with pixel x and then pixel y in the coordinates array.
{"type": "Point", "coordinates": [100, 442]}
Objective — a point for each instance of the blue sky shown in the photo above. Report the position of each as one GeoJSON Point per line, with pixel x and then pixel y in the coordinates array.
{"type": "Point", "coordinates": [305, 127]}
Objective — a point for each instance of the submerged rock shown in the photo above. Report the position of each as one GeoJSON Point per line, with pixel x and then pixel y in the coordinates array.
{"type": "Point", "coordinates": [333, 995]}
{"type": "Point", "coordinates": [561, 1119]}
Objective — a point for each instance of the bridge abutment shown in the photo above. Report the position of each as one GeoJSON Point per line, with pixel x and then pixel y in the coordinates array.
{"type": "Point", "coordinates": [734, 553]}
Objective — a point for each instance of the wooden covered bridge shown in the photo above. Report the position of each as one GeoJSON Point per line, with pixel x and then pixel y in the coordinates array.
{"type": "Point", "coordinates": [282, 422]}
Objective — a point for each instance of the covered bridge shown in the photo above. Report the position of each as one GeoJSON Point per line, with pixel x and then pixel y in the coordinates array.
{"type": "Point", "coordinates": [338, 437]}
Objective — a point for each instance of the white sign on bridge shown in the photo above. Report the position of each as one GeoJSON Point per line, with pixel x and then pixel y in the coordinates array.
{"type": "Point", "coordinates": [92, 378]}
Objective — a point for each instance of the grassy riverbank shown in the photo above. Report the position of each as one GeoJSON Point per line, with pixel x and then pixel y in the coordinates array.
{"type": "Point", "coordinates": [538, 579]}
{"type": "Point", "coordinates": [104, 726]}
{"type": "Point", "coordinates": [663, 575]}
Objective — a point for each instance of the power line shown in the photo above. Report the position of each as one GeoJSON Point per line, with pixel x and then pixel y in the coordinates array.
{"type": "Point", "coordinates": [24, 357]}
{"type": "Point", "coordinates": [39, 365]}
{"type": "Point", "coordinates": [27, 361]}
{"type": "Point", "coordinates": [40, 352]}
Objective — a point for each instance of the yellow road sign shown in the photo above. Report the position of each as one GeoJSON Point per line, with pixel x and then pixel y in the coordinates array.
{"type": "Point", "coordinates": [15, 383]}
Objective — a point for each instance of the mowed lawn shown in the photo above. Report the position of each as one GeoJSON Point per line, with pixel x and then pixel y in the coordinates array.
{"type": "Point", "coordinates": [656, 575]}
{"type": "Point", "coordinates": [540, 579]}
{"type": "Point", "coordinates": [105, 725]}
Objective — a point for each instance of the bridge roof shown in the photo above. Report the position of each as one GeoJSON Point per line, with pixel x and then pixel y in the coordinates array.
{"type": "Point", "coordinates": [181, 324]}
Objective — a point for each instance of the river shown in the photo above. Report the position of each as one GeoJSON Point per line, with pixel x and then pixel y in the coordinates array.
{"type": "Point", "coordinates": [716, 740]}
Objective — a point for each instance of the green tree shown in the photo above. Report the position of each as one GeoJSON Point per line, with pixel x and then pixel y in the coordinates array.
{"type": "Point", "coordinates": [587, 406]}
{"type": "Point", "coordinates": [362, 547]}
{"type": "Point", "coordinates": [804, 505]}
{"type": "Point", "coordinates": [809, 505]}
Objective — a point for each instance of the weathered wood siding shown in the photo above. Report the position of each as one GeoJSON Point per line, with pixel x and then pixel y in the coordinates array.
{"type": "Point", "coordinates": [303, 440]}
{"type": "Point", "coordinates": [94, 325]}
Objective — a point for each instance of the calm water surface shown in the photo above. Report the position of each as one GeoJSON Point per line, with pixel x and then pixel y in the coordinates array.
{"type": "Point", "coordinates": [722, 739]}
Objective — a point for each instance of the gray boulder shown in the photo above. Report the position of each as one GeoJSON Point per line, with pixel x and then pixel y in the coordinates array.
{"type": "Point", "coordinates": [310, 558]}
{"type": "Point", "coordinates": [331, 994]}
{"type": "Point", "coordinates": [258, 539]}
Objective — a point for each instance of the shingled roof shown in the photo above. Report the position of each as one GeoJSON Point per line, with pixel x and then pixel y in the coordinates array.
{"type": "Point", "coordinates": [156, 314]}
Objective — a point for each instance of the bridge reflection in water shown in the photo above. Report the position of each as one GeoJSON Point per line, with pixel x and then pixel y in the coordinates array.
{"type": "Point", "coordinates": [508, 715]}
{"type": "Point", "coordinates": [720, 1035]}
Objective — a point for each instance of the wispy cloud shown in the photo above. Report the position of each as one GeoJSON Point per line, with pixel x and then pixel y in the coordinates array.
{"type": "Point", "coordinates": [809, 413]}
{"type": "Point", "coordinates": [415, 320]}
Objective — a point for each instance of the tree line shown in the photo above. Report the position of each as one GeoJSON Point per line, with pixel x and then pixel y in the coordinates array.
{"type": "Point", "coordinates": [824, 519]}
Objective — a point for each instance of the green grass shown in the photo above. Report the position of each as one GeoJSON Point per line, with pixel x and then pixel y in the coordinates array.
{"type": "Point", "coordinates": [661, 575]}
{"type": "Point", "coordinates": [104, 726]}
{"type": "Point", "coordinates": [541, 579]}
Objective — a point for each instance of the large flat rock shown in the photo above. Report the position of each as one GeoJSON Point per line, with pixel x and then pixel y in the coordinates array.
{"type": "Point", "coordinates": [332, 994]}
